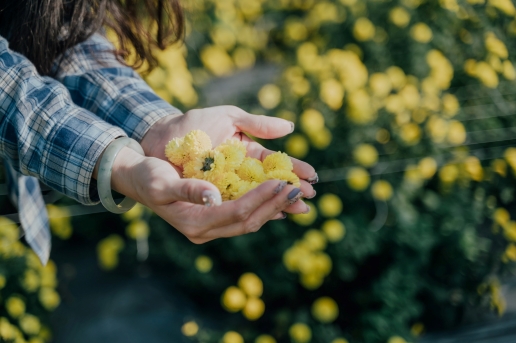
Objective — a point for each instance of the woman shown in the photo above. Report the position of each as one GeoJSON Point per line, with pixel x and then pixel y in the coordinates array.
{"type": "Point", "coordinates": [56, 129]}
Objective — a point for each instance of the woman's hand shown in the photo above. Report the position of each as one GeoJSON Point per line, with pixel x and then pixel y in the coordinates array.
{"type": "Point", "coordinates": [224, 122]}
{"type": "Point", "coordinates": [194, 207]}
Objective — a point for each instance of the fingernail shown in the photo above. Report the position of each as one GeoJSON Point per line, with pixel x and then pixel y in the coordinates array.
{"type": "Point", "coordinates": [313, 179]}
{"type": "Point", "coordinates": [313, 195]}
{"type": "Point", "coordinates": [280, 187]}
{"type": "Point", "coordinates": [307, 209]}
{"type": "Point", "coordinates": [211, 198]}
{"type": "Point", "coordinates": [294, 195]}
{"type": "Point", "coordinates": [292, 127]}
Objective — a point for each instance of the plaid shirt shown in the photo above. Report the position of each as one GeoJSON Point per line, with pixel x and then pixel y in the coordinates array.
{"type": "Point", "coordinates": [55, 131]}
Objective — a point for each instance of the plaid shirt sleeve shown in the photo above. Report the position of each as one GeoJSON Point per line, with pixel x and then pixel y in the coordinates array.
{"type": "Point", "coordinates": [101, 84]}
{"type": "Point", "coordinates": [44, 134]}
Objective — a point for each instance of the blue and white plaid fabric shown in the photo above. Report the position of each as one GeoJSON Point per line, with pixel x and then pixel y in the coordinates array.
{"type": "Point", "coordinates": [45, 136]}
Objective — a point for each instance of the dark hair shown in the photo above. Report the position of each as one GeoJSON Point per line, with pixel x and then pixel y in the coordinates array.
{"type": "Point", "coordinates": [44, 29]}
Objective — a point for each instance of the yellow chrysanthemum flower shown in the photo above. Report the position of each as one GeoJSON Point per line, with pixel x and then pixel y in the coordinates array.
{"type": "Point", "coordinates": [251, 169]}
{"type": "Point", "coordinates": [204, 164]}
{"type": "Point", "coordinates": [277, 161]}
{"type": "Point", "coordinates": [228, 183]}
{"type": "Point", "coordinates": [285, 175]}
{"type": "Point", "coordinates": [242, 188]}
{"type": "Point", "coordinates": [234, 152]}
{"type": "Point", "coordinates": [175, 152]}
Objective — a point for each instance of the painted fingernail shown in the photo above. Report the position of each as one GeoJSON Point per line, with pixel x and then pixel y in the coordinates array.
{"type": "Point", "coordinates": [211, 198]}
{"type": "Point", "coordinates": [292, 127]}
{"type": "Point", "coordinates": [313, 195]}
{"type": "Point", "coordinates": [313, 179]}
{"type": "Point", "coordinates": [280, 187]}
{"type": "Point", "coordinates": [307, 209]}
{"type": "Point", "coordinates": [294, 195]}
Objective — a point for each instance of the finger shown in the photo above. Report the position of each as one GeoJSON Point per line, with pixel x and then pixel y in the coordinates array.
{"type": "Point", "coordinates": [262, 126]}
{"type": "Point", "coordinates": [299, 207]}
{"type": "Point", "coordinates": [194, 191]}
{"type": "Point", "coordinates": [302, 169]}
{"type": "Point", "coordinates": [237, 211]}
{"type": "Point", "coordinates": [258, 218]}
{"type": "Point", "coordinates": [279, 216]}
{"type": "Point", "coordinates": [307, 189]}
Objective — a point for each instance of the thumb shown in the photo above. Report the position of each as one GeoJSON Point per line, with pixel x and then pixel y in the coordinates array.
{"type": "Point", "coordinates": [263, 126]}
{"type": "Point", "coordinates": [197, 192]}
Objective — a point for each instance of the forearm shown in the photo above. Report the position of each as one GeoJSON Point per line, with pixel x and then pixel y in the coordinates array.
{"type": "Point", "coordinates": [100, 83]}
{"type": "Point", "coordinates": [44, 134]}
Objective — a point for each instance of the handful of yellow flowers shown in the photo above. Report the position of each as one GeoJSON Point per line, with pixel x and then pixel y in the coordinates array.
{"type": "Point", "coordinates": [227, 166]}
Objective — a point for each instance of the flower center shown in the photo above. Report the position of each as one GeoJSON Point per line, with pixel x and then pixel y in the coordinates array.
{"type": "Point", "coordinates": [208, 161]}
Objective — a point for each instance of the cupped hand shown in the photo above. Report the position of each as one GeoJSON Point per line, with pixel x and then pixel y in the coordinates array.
{"type": "Point", "coordinates": [225, 122]}
{"type": "Point", "coordinates": [193, 206]}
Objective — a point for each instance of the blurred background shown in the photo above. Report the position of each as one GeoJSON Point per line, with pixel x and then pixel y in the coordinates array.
{"type": "Point", "coordinates": [407, 110]}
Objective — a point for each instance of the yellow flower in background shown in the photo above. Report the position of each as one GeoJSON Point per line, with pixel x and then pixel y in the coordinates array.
{"type": "Point", "coordinates": [358, 178]}
{"type": "Point", "coordinates": [203, 264]}
{"type": "Point", "coordinates": [437, 128]}
{"type": "Point", "coordinates": [410, 96]}
{"type": "Point", "coordinates": [359, 108]}
{"type": "Point", "coordinates": [297, 146]}
{"type": "Point", "coordinates": [501, 216]}
{"type": "Point", "coordinates": [314, 240]}
{"type": "Point", "coordinates": [269, 96]}
{"type": "Point", "coordinates": [486, 74]}
{"type": "Point", "coordinates": [506, 6]}
{"type": "Point", "coordinates": [456, 133]}
{"type": "Point", "coordinates": [417, 329]}
{"type": "Point", "coordinates": [265, 339]}
{"type": "Point", "coordinates": [134, 213]}
{"type": "Point", "coordinates": [470, 66]}
{"type": "Point", "coordinates": [300, 333]}
{"type": "Point", "coordinates": [60, 222]}
{"type": "Point", "coordinates": [450, 105]}
{"type": "Point", "coordinates": [8, 230]}
{"type": "Point", "coordinates": [510, 252]}
{"type": "Point", "coordinates": [233, 299]}
{"type": "Point", "coordinates": [6, 329]}
{"type": "Point", "coordinates": [311, 120]}
{"type": "Point", "coordinates": [508, 70]}
{"type": "Point", "coordinates": [399, 16]}
{"type": "Point", "coordinates": [223, 37]}
{"type": "Point", "coordinates": [396, 339]}
{"type": "Point", "coordinates": [495, 46]}
{"type": "Point", "coordinates": [474, 168]}
{"type": "Point", "coordinates": [244, 58]}
{"type": "Point", "coordinates": [380, 84]}
{"type": "Point", "coordinates": [330, 205]}
{"type": "Point", "coordinates": [295, 30]}
{"type": "Point", "coordinates": [340, 340]}
{"type": "Point", "coordinates": [232, 337]}
{"type": "Point", "coordinates": [410, 133]}
{"type": "Point", "coordinates": [427, 167]}
{"type": "Point", "coordinates": [332, 93]}
{"type": "Point", "coordinates": [217, 60]}
{"type": "Point", "coordinates": [311, 281]}
{"type": "Point", "coordinates": [190, 329]}
{"type": "Point", "coordinates": [495, 62]}
{"type": "Point", "coordinates": [450, 5]}
{"type": "Point", "coordinates": [107, 251]}
{"type": "Point", "coordinates": [3, 281]}
{"type": "Point", "coordinates": [49, 298]}
{"type": "Point", "coordinates": [30, 281]}
{"type": "Point", "coordinates": [253, 309]}
{"type": "Point", "coordinates": [382, 190]}
{"type": "Point", "coordinates": [397, 77]}
{"type": "Point", "coordinates": [500, 167]}
{"type": "Point", "coordinates": [137, 229]}
{"type": "Point", "coordinates": [421, 33]}
{"type": "Point", "coordinates": [305, 219]}
{"type": "Point", "coordinates": [320, 139]}
{"type": "Point", "coordinates": [364, 29]}
{"type": "Point", "coordinates": [334, 230]}
{"type": "Point", "coordinates": [366, 155]}
{"type": "Point", "coordinates": [325, 310]}
{"type": "Point", "coordinates": [251, 284]}
{"type": "Point", "coordinates": [30, 324]}
{"type": "Point", "coordinates": [15, 306]}
{"type": "Point", "coordinates": [448, 173]}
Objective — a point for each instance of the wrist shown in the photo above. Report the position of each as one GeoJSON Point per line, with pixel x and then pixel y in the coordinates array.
{"type": "Point", "coordinates": [153, 142]}
{"type": "Point", "coordinates": [122, 175]}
